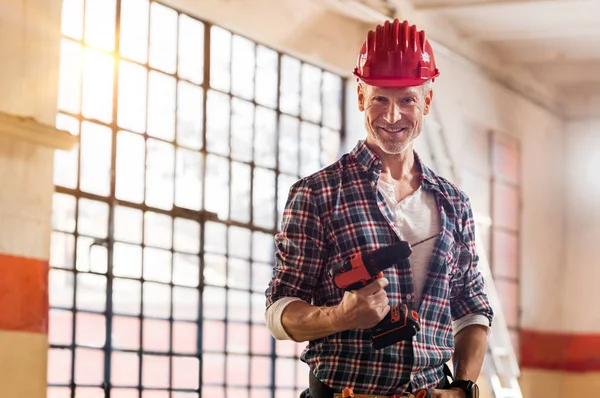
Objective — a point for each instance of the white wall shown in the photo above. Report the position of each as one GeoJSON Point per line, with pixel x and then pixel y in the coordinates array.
{"type": "Point", "coordinates": [582, 234]}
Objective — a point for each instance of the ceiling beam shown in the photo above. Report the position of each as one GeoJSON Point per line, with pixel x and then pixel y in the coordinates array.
{"type": "Point", "coordinates": [535, 33]}
{"type": "Point", "coordinates": [472, 4]}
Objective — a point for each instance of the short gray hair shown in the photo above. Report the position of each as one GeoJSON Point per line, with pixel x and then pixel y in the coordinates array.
{"type": "Point", "coordinates": [426, 86]}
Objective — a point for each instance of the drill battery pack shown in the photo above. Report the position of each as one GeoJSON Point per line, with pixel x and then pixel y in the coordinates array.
{"type": "Point", "coordinates": [400, 324]}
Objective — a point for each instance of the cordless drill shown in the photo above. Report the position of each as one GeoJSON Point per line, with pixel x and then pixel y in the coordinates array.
{"type": "Point", "coordinates": [400, 323]}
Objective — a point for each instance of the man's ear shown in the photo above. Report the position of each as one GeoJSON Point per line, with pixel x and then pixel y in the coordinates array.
{"type": "Point", "coordinates": [428, 99]}
{"type": "Point", "coordinates": [361, 97]}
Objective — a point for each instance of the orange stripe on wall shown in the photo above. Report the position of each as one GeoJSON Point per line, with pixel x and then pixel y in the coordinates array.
{"type": "Point", "coordinates": [560, 351]}
{"type": "Point", "coordinates": [23, 294]}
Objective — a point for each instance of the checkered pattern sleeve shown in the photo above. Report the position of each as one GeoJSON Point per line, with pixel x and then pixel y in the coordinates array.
{"type": "Point", "coordinates": [300, 247]}
{"type": "Point", "coordinates": [467, 283]}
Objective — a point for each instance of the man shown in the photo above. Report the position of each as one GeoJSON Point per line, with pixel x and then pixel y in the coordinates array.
{"type": "Point", "coordinates": [374, 196]}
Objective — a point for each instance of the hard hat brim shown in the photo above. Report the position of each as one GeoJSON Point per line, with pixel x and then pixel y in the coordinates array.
{"type": "Point", "coordinates": [394, 82]}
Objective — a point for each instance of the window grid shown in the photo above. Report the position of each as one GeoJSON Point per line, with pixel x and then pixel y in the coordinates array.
{"type": "Point", "coordinates": [101, 321]}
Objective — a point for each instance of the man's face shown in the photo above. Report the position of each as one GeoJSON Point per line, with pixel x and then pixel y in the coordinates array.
{"type": "Point", "coordinates": [393, 115]}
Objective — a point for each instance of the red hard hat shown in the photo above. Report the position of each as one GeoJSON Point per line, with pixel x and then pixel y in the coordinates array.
{"type": "Point", "coordinates": [396, 55]}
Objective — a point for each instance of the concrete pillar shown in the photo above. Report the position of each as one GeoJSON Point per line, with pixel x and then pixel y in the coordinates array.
{"type": "Point", "coordinates": [29, 63]}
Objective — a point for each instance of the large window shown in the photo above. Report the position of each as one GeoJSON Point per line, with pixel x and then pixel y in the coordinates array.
{"type": "Point", "coordinates": [164, 215]}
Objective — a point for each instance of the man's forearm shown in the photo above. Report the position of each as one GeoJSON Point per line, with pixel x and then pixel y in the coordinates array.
{"type": "Point", "coordinates": [470, 348]}
{"type": "Point", "coordinates": [304, 322]}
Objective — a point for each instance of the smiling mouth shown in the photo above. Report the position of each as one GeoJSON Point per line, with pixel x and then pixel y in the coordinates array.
{"type": "Point", "coordinates": [393, 131]}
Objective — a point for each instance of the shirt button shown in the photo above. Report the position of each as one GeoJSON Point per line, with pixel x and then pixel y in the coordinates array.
{"type": "Point", "coordinates": [408, 296]}
{"type": "Point", "coordinates": [372, 183]}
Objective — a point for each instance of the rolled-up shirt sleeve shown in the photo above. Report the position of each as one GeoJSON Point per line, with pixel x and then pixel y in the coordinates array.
{"type": "Point", "coordinates": [299, 247]}
{"type": "Point", "coordinates": [468, 295]}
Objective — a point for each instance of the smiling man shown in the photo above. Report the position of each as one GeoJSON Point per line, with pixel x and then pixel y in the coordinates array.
{"type": "Point", "coordinates": [377, 195]}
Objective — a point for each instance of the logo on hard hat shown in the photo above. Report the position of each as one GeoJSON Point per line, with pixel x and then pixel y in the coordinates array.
{"type": "Point", "coordinates": [425, 57]}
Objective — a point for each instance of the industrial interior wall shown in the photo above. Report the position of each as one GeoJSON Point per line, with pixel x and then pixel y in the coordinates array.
{"type": "Point", "coordinates": [29, 60]}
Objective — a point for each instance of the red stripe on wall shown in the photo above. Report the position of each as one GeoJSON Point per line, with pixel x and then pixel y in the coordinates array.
{"type": "Point", "coordinates": [560, 351]}
{"type": "Point", "coordinates": [23, 294]}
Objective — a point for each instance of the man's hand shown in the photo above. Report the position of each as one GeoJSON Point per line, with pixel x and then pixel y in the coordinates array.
{"type": "Point", "coordinates": [365, 307]}
{"type": "Point", "coordinates": [451, 393]}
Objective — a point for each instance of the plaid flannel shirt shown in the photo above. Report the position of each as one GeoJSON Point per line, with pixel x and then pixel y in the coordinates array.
{"type": "Point", "coordinates": [338, 212]}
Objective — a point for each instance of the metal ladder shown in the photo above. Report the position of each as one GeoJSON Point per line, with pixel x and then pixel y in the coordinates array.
{"type": "Point", "coordinates": [500, 364]}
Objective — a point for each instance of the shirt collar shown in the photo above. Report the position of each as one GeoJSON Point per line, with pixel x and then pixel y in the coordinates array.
{"type": "Point", "coordinates": [369, 160]}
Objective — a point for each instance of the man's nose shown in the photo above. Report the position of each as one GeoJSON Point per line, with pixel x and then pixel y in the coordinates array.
{"type": "Point", "coordinates": [392, 114]}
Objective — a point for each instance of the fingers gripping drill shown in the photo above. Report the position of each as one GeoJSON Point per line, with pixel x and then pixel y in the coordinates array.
{"type": "Point", "coordinates": [400, 323]}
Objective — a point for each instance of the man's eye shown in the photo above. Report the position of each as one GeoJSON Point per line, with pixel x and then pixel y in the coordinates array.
{"type": "Point", "coordinates": [380, 99]}
{"type": "Point", "coordinates": [408, 100]}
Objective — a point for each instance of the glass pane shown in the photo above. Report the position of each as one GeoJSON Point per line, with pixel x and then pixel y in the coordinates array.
{"type": "Point", "coordinates": [129, 184]}
{"type": "Point", "coordinates": [213, 302]}
{"type": "Point", "coordinates": [126, 296]}
{"type": "Point", "coordinates": [157, 265]}
{"type": "Point", "coordinates": [93, 218]}
{"type": "Point", "coordinates": [285, 348]}
{"type": "Point", "coordinates": [85, 392]}
{"type": "Point", "coordinates": [261, 276]}
{"type": "Point", "coordinates": [186, 236]}
{"type": "Point", "coordinates": [505, 262]}
{"type": "Point", "coordinates": [185, 337]}
{"type": "Point", "coordinates": [241, 129]}
{"type": "Point", "coordinates": [238, 305]}
{"type": "Point", "coordinates": [63, 212]}
{"type": "Point", "coordinates": [509, 300]}
{"type": "Point", "coordinates": [191, 49]}
{"type": "Point", "coordinates": [96, 148]}
{"type": "Point", "coordinates": [127, 260]}
{"type": "Point", "coordinates": [91, 292]}
{"type": "Point", "coordinates": [185, 372]}
{"type": "Point", "coordinates": [217, 123]}
{"type": "Point", "coordinates": [263, 247]}
{"type": "Point", "coordinates": [98, 71]}
{"type": "Point", "coordinates": [84, 249]}
{"type": "Point", "coordinates": [90, 330]}
{"type": "Point", "coordinates": [215, 270]}
{"type": "Point", "coordinates": [260, 371]}
{"type": "Point", "coordinates": [261, 339]}
{"type": "Point", "coordinates": [332, 101]}
{"type": "Point", "coordinates": [189, 115]}
{"type": "Point", "coordinates": [185, 304]}
{"type": "Point", "coordinates": [163, 37]}
{"type": "Point", "coordinates": [239, 242]}
{"type": "Point", "coordinates": [330, 146]}
{"type": "Point", "coordinates": [160, 174]}
{"type": "Point", "coordinates": [125, 333]}
{"type": "Point", "coordinates": [157, 300]}
{"type": "Point", "coordinates": [283, 188]}
{"type": "Point", "coordinates": [98, 259]}
{"type": "Point", "coordinates": [60, 327]}
{"type": "Point", "coordinates": [186, 270]}
{"type": "Point", "coordinates": [161, 105]}
{"type": "Point", "coordinates": [132, 96]}
{"type": "Point", "coordinates": [124, 393]}
{"type": "Point", "coordinates": [266, 76]}
{"type": "Point", "coordinates": [288, 144]}
{"type": "Point", "coordinates": [217, 186]}
{"type": "Point", "coordinates": [258, 307]}
{"type": "Point", "coordinates": [213, 336]}
{"type": "Point", "coordinates": [100, 23]}
{"type": "Point", "coordinates": [155, 372]}
{"type": "Point", "coordinates": [65, 162]}
{"type": "Point", "coordinates": [264, 198]}
{"type": "Point", "coordinates": [213, 374]}
{"type": "Point", "coordinates": [158, 230]}
{"type": "Point", "coordinates": [69, 92]}
{"type": "Point", "coordinates": [506, 159]}
{"type": "Point", "coordinates": [72, 18]}
{"type": "Point", "coordinates": [265, 138]}
{"type": "Point", "coordinates": [128, 224]}
{"type": "Point", "coordinates": [124, 369]}
{"type": "Point", "coordinates": [89, 366]}
{"type": "Point", "coordinates": [157, 335]}
{"type": "Point", "coordinates": [60, 284]}
{"type": "Point", "coordinates": [59, 392]}
{"type": "Point", "coordinates": [237, 371]}
{"type": "Point", "coordinates": [283, 371]}
{"type": "Point", "coordinates": [506, 207]}
{"type": "Point", "coordinates": [242, 68]}
{"type": "Point", "coordinates": [238, 273]}
{"type": "Point", "coordinates": [215, 237]}
{"type": "Point", "coordinates": [289, 100]}
{"type": "Point", "coordinates": [133, 30]}
{"type": "Point", "coordinates": [220, 58]}
{"type": "Point", "coordinates": [188, 183]}
{"type": "Point", "coordinates": [311, 93]}
{"type": "Point", "coordinates": [241, 179]}
{"type": "Point", "coordinates": [310, 153]}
